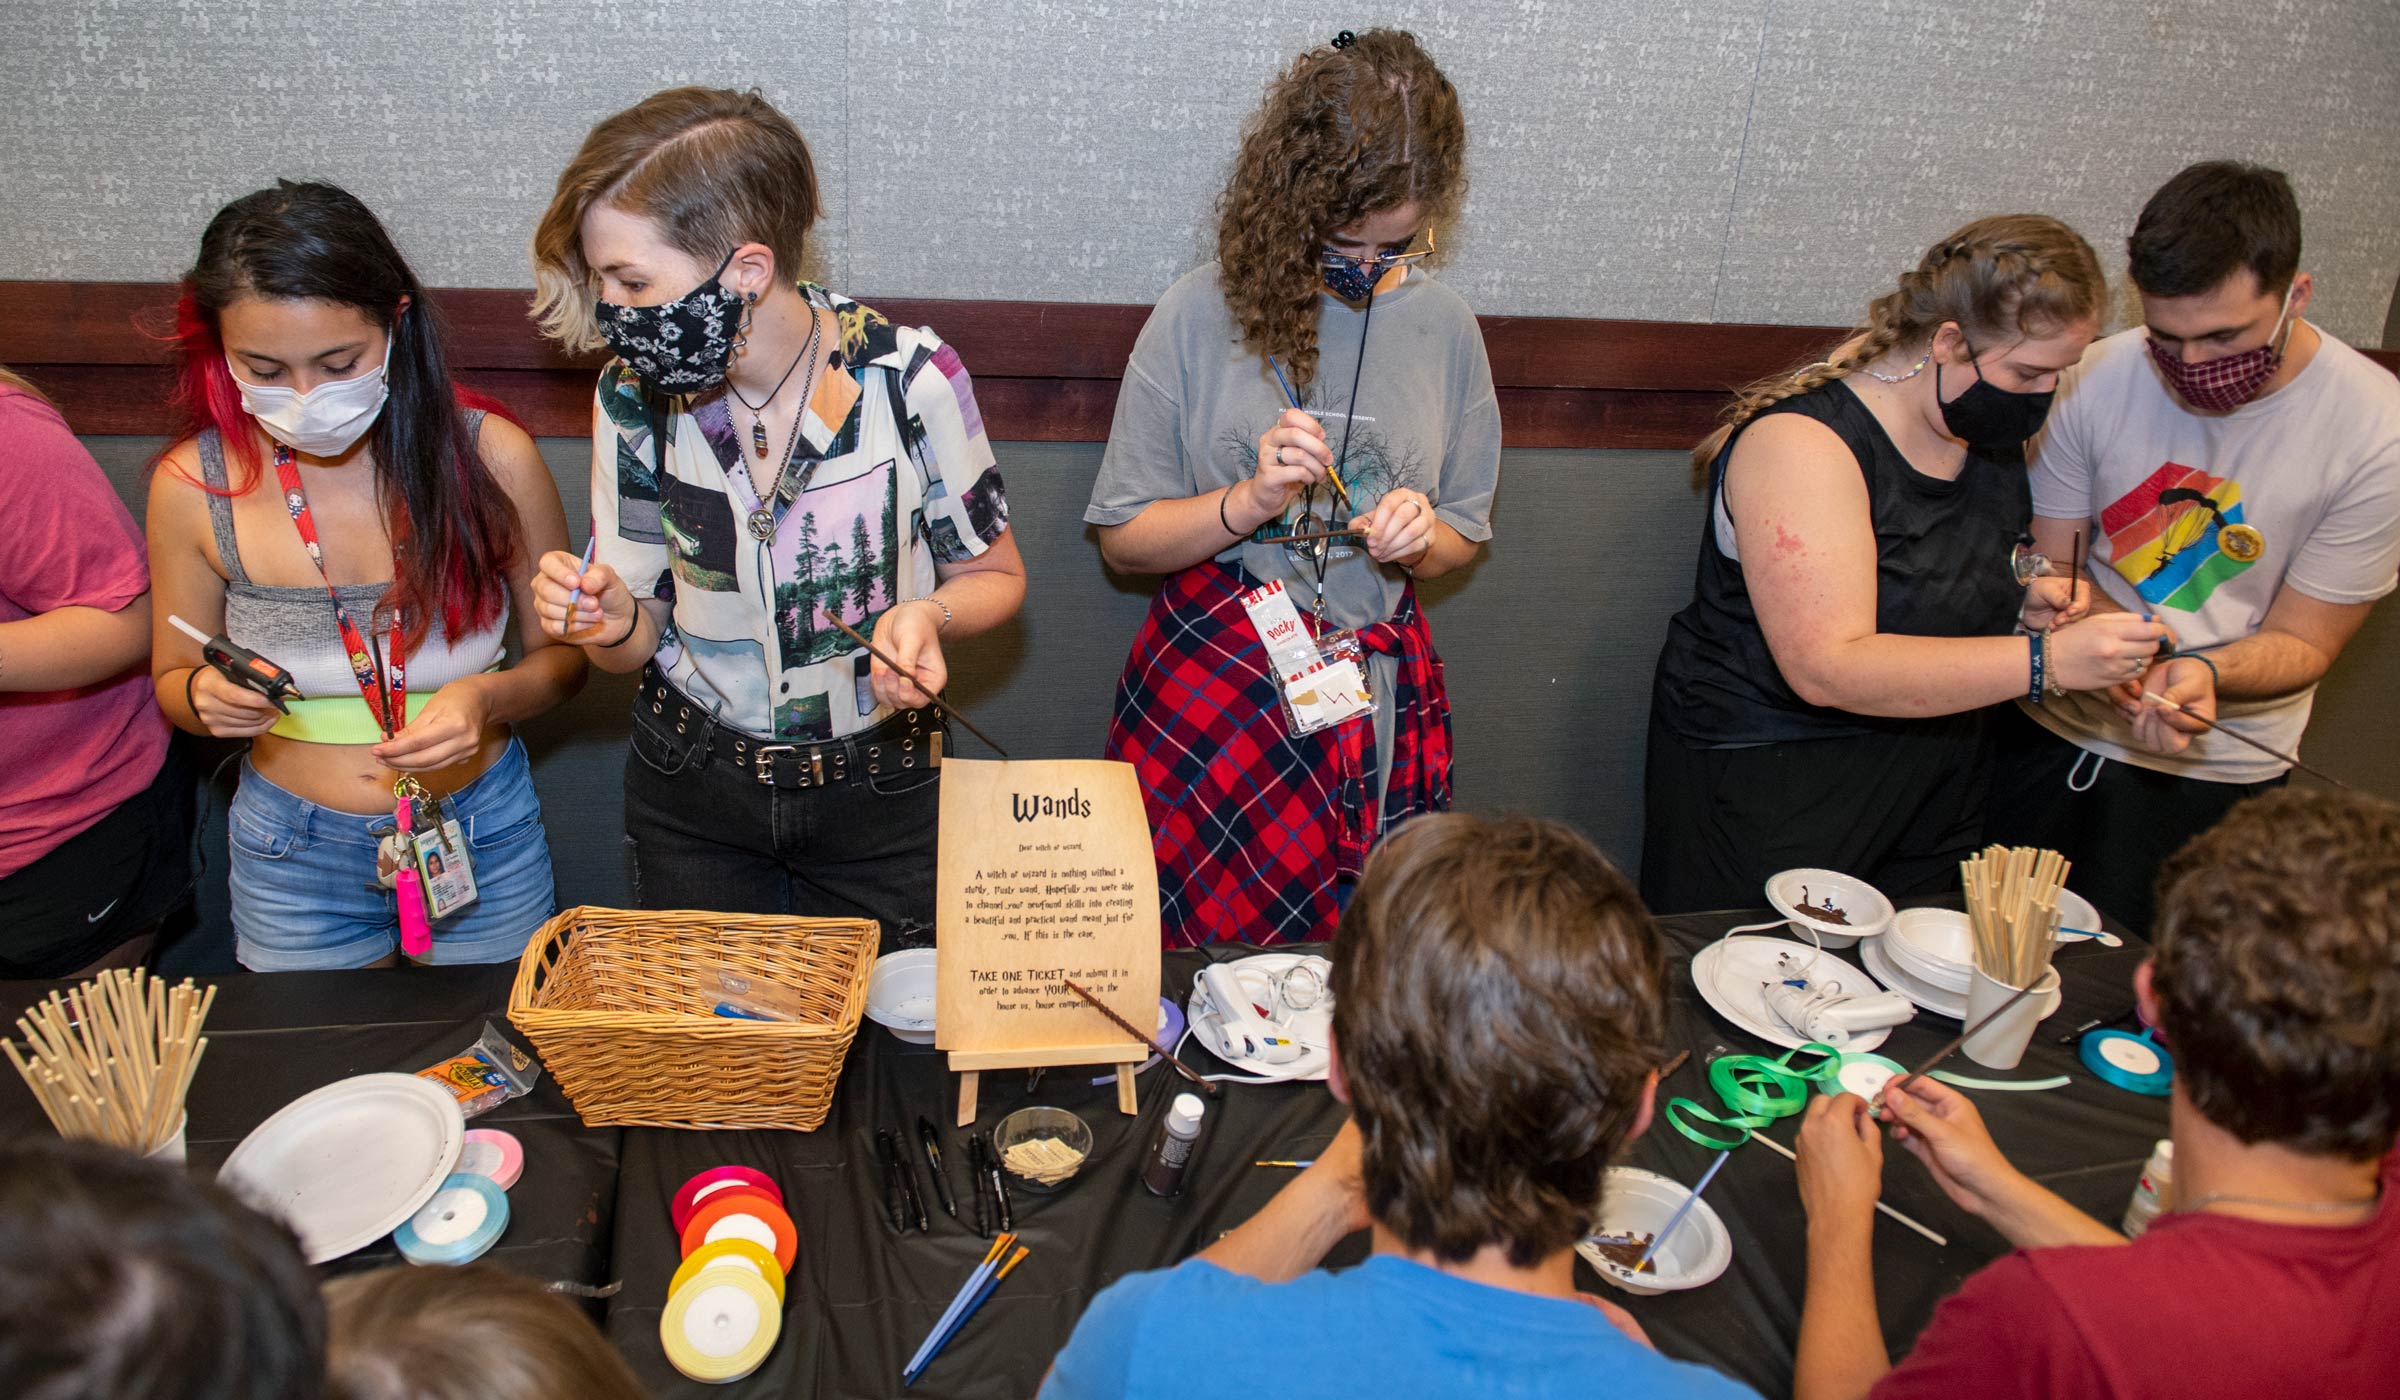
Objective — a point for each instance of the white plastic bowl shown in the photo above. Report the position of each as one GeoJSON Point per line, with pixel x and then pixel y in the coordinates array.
{"type": "Point", "coordinates": [1868, 911]}
{"type": "Point", "coordinates": [900, 994]}
{"type": "Point", "coordinates": [1637, 1202]}
{"type": "Point", "coordinates": [1936, 945]}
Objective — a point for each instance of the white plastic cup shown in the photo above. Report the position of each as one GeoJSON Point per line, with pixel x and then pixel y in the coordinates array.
{"type": "Point", "coordinates": [2001, 1044]}
{"type": "Point", "coordinates": [172, 1149]}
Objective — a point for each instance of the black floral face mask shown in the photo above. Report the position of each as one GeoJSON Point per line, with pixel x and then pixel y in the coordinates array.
{"type": "Point", "coordinates": [682, 347]}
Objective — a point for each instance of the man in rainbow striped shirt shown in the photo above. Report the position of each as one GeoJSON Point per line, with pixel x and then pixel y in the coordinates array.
{"type": "Point", "coordinates": [2234, 471]}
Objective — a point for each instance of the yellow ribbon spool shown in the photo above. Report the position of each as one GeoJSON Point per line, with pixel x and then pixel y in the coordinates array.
{"type": "Point", "coordinates": [720, 1324]}
{"type": "Point", "coordinates": [731, 1253]}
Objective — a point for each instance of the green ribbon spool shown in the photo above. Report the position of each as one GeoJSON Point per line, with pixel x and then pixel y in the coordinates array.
{"type": "Point", "coordinates": [1759, 1089]}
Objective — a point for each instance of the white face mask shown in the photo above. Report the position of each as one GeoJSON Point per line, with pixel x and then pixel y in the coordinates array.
{"type": "Point", "coordinates": [324, 421]}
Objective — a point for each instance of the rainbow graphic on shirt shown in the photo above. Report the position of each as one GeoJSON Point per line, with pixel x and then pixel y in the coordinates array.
{"type": "Point", "coordinates": [2169, 552]}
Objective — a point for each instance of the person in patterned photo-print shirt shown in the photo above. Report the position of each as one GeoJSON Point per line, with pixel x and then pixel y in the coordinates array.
{"type": "Point", "coordinates": [769, 458]}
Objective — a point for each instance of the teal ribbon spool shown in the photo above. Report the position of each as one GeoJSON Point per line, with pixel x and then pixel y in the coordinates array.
{"type": "Point", "coordinates": [2132, 1062]}
{"type": "Point", "coordinates": [1759, 1089]}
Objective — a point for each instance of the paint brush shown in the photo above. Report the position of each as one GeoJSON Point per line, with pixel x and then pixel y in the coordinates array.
{"type": "Point", "coordinates": [1681, 1211]}
{"type": "Point", "coordinates": [938, 701]}
{"type": "Point", "coordinates": [591, 548]}
{"type": "Point", "coordinates": [1294, 399]}
{"type": "Point", "coordinates": [2310, 769]}
{"type": "Point", "coordinates": [1128, 1027]}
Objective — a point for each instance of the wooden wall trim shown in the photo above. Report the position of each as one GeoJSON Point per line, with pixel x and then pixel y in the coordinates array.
{"type": "Point", "coordinates": [1044, 371]}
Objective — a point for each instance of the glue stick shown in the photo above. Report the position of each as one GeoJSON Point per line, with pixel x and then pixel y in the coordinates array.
{"type": "Point", "coordinates": [1171, 1150]}
{"type": "Point", "coordinates": [2153, 1192]}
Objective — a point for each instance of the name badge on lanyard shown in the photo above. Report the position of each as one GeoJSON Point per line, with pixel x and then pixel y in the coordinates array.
{"type": "Point", "coordinates": [1322, 681]}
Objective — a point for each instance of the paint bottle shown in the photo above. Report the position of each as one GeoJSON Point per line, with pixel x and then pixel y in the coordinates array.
{"type": "Point", "coordinates": [2156, 1189]}
{"type": "Point", "coordinates": [1171, 1151]}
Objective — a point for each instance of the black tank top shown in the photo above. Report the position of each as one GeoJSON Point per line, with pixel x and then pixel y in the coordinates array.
{"type": "Point", "coordinates": [1942, 569]}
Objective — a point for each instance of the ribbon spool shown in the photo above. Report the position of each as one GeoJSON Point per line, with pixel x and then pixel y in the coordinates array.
{"type": "Point", "coordinates": [730, 1253]}
{"type": "Point", "coordinates": [2133, 1062]}
{"type": "Point", "coordinates": [720, 1324]}
{"type": "Point", "coordinates": [743, 1214]}
{"type": "Point", "coordinates": [493, 1153]}
{"type": "Point", "coordinates": [714, 1181]}
{"type": "Point", "coordinates": [464, 1218]}
{"type": "Point", "coordinates": [1861, 1074]}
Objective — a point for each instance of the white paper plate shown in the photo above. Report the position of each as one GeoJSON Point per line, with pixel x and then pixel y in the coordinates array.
{"type": "Point", "coordinates": [2074, 911]}
{"type": "Point", "coordinates": [1314, 1025]}
{"type": "Point", "coordinates": [1938, 1000]}
{"type": "Point", "coordinates": [1731, 974]}
{"type": "Point", "coordinates": [346, 1165]}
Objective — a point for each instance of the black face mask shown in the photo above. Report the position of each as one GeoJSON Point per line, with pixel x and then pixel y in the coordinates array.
{"type": "Point", "coordinates": [682, 347]}
{"type": "Point", "coordinates": [1984, 416]}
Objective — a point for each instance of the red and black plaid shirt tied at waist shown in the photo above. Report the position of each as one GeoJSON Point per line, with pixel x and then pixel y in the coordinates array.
{"type": "Point", "coordinates": [1251, 825]}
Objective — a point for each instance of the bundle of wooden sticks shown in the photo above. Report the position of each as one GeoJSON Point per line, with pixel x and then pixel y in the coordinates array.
{"type": "Point", "coordinates": [2012, 901]}
{"type": "Point", "coordinates": [113, 1058]}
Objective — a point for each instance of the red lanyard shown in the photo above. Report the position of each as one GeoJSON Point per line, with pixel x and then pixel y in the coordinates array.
{"type": "Point", "coordinates": [387, 703]}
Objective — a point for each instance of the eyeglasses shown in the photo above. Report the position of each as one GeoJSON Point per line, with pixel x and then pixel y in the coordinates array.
{"type": "Point", "coordinates": [1329, 257]}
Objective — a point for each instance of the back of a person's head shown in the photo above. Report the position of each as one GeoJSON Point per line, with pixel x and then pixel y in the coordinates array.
{"type": "Point", "coordinates": [471, 1333]}
{"type": "Point", "coordinates": [1499, 1001]}
{"type": "Point", "coordinates": [2278, 971]}
{"type": "Point", "coordinates": [124, 1279]}
{"type": "Point", "coordinates": [2209, 222]}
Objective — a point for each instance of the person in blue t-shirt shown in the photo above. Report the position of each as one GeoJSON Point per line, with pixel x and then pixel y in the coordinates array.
{"type": "Point", "coordinates": [1499, 1003]}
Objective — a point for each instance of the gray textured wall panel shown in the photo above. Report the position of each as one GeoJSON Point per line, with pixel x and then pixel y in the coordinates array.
{"type": "Point", "coordinates": [1880, 125]}
{"type": "Point", "coordinates": [1042, 150]}
{"type": "Point", "coordinates": [129, 122]}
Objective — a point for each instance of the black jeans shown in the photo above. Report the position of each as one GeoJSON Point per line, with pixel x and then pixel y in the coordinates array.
{"type": "Point", "coordinates": [706, 834]}
{"type": "Point", "coordinates": [2117, 831]}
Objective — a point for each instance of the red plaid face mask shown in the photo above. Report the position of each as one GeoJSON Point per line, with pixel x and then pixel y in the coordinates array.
{"type": "Point", "coordinates": [2229, 381]}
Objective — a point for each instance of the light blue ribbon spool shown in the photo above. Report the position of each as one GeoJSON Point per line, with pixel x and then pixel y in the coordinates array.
{"type": "Point", "coordinates": [464, 1218]}
{"type": "Point", "coordinates": [2131, 1062]}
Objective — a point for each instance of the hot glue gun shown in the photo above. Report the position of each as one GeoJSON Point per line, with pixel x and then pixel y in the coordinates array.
{"type": "Point", "coordinates": [1240, 1032]}
{"type": "Point", "coordinates": [242, 666]}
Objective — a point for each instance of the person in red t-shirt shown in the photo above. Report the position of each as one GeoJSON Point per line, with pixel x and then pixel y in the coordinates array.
{"type": "Point", "coordinates": [2277, 1272]}
{"type": "Point", "coordinates": [95, 803]}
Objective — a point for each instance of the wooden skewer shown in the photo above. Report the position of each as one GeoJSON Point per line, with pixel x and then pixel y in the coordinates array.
{"type": "Point", "coordinates": [938, 702]}
{"type": "Point", "coordinates": [1130, 1029]}
{"type": "Point", "coordinates": [1794, 1157]}
{"type": "Point", "coordinates": [2310, 769]}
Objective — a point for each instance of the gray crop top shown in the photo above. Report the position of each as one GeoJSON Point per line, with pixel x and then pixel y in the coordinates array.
{"type": "Point", "coordinates": [294, 627]}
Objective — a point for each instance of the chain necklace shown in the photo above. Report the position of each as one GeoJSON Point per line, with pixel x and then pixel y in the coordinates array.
{"type": "Point", "coordinates": [758, 425]}
{"type": "Point", "coordinates": [2319, 1207]}
{"type": "Point", "coordinates": [1914, 370]}
{"type": "Point", "coordinates": [762, 515]}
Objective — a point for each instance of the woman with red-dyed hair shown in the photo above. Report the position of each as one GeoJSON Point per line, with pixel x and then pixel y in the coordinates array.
{"type": "Point", "coordinates": [382, 570]}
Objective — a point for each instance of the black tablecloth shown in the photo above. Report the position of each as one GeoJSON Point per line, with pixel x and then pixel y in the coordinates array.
{"type": "Point", "coordinates": [593, 1204]}
{"type": "Point", "coordinates": [273, 1038]}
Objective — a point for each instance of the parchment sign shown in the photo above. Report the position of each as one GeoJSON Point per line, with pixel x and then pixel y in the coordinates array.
{"type": "Point", "coordinates": [1045, 875]}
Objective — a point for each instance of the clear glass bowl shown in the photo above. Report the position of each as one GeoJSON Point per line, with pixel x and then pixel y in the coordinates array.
{"type": "Point", "coordinates": [1039, 1124]}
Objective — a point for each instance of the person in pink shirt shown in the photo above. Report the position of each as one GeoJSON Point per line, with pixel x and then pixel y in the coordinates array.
{"type": "Point", "coordinates": [2276, 1271]}
{"type": "Point", "coordinates": [95, 819]}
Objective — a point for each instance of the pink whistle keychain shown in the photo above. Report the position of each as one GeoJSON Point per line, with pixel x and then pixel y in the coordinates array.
{"type": "Point", "coordinates": [416, 931]}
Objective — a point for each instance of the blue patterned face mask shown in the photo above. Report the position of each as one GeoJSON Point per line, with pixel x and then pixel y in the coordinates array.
{"type": "Point", "coordinates": [1349, 278]}
{"type": "Point", "coordinates": [1353, 278]}
{"type": "Point", "coordinates": [682, 347]}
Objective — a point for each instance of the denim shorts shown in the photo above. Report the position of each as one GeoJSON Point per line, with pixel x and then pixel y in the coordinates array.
{"type": "Point", "coordinates": [304, 894]}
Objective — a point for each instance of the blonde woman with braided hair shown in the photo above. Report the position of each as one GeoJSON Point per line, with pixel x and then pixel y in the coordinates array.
{"type": "Point", "coordinates": [1312, 381]}
{"type": "Point", "coordinates": [1862, 595]}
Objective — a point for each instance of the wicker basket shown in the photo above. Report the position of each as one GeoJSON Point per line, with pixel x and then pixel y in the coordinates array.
{"type": "Point", "coordinates": [614, 1001]}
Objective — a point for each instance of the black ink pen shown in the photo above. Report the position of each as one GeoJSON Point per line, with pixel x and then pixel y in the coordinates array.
{"type": "Point", "coordinates": [991, 1164]}
{"type": "Point", "coordinates": [933, 1161]}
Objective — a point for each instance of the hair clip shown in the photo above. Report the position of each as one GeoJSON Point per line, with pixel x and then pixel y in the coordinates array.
{"type": "Point", "coordinates": [1344, 39]}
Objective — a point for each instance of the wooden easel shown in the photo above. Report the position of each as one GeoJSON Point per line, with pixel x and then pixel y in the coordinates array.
{"type": "Point", "coordinates": [971, 1065]}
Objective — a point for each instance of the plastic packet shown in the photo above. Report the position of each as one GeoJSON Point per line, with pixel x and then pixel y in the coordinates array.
{"type": "Point", "coordinates": [744, 998]}
{"type": "Point", "coordinates": [486, 1074]}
